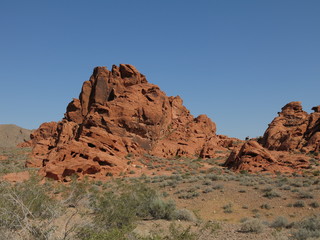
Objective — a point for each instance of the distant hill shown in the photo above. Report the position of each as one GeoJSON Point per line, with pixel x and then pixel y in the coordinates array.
{"type": "Point", "coordinates": [11, 135]}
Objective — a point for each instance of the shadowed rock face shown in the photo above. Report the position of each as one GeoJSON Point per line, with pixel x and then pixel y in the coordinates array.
{"type": "Point", "coordinates": [294, 129]}
{"type": "Point", "coordinates": [118, 112]}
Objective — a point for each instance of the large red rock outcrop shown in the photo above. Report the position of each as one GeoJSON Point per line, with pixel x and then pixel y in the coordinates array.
{"type": "Point", "coordinates": [294, 129]}
{"type": "Point", "coordinates": [119, 113]}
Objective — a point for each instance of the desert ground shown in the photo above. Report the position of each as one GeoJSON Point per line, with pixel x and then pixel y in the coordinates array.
{"type": "Point", "coordinates": [158, 198]}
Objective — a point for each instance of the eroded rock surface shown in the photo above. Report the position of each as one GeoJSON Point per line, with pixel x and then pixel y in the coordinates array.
{"type": "Point", "coordinates": [119, 113]}
{"type": "Point", "coordinates": [254, 158]}
{"type": "Point", "coordinates": [284, 144]}
{"type": "Point", "coordinates": [294, 129]}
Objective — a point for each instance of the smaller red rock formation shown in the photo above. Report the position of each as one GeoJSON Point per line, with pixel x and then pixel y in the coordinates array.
{"type": "Point", "coordinates": [312, 135]}
{"type": "Point", "coordinates": [289, 135]}
{"type": "Point", "coordinates": [286, 131]}
{"type": "Point", "coordinates": [294, 129]}
{"type": "Point", "coordinates": [252, 157]}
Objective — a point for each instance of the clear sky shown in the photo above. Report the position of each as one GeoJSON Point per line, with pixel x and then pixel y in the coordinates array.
{"type": "Point", "coordinates": [237, 61]}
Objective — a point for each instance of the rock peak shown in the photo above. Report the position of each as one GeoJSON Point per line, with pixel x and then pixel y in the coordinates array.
{"type": "Point", "coordinates": [293, 129]}
{"type": "Point", "coordinates": [292, 108]}
{"type": "Point", "coordinates": [119, 113]}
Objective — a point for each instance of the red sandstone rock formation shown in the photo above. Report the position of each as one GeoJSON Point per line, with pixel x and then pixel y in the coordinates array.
{"type": "Point", "coordinates": [119, 113]}
{"type": "Point", "coordinates": [252, 157]}
{"type": "Point", "coordinates": [289, 135]}
{"type": "Point", "coordinates": [294, 129]}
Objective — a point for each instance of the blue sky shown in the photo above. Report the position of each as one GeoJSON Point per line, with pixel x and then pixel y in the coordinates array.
{"type": "Point", "coordinates": [238, 62]}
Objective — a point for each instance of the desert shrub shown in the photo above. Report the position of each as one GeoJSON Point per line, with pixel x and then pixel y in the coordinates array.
{"type": "Point", "coordinates": [267, 189]}
{"type": "Point", "coordinates": [23, 204]}
{"type": "Point", "coordinates": [91, 233]}
{"type": "Point", "coordinates": [286, 187]}
{"type": "Point", "coordinates": [169, 183]}
{"type": "Point", "coordinates": [299, 204]}
{"type": "Point", "coordinates": [305, 195]}
{"type": "Point", "coordinates": [160, 209]}
{"type": "Point", "coordinates": [296, 184]}
{"type": "Point", "coordinates": [227, 208]}
{"type": "Point", "coordinates": [217, 186]}
{"type": "Point", "coordinates": [252, 226]}
{"type": "Point", "coordinates": [213, 177]}
{"type": "Point", "coordinates": [189, 195]}
{"type": "Point", "coordinates": [76, 191]}
{"type": "Point", "coordinates": [121, 208]}
{"type": "Point", "coordinates": [271, 194]}
{"type": "Point", "coordinates": [207, 190]}
{"type": "Point", "coordinates": [308, 228]}
{"type": "Point", "coordinates": [280, 222]}
{"type": "Point", "coordinates": [265, 206]}
{"type": "Point", "coordinates": [184, 215]}
{"type": "Point", "coordinates": [115, 211]}
{"type": "Point", "coordinates": [178, 233]}
{"type": "Point", "coordinates": [314, 205]}
{"type": "Point", "coordinates": [175, 232]}
{"type": "Point", "coordinates": [16, 160]}
{"type": "Point", "coordinates": [207, 182]}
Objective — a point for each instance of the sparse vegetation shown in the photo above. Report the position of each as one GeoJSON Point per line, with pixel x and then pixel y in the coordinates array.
{"type": "Point", "coordinates": [113, 209]}
{"type": "Point", "coordinates": [307, 229]}
{"type": "Point", "coordinates": [280, 222]}
{"type": "Point", "coordinates": [227, 208]}
{"type": "Point", "coordinates": [252, 226]}
{"type": "Point", "coordinates": [299, 204]}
